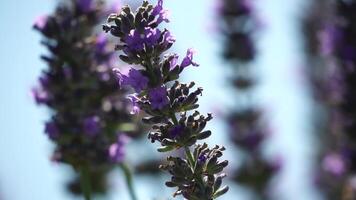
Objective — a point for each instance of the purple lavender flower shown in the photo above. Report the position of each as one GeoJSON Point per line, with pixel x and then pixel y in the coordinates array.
{"type": "Point", "coordinates": [134, 79]}
{"type": "Point", "coordinates": [117, 150]}
{"type": "Point", "coordinates": [173, 62]}
{"type": "Point", "coordinates": [152, 36]}
{"type": "Point", "coordinates": [51, 129]}
{"type": "Point", "coordinates": [91, 125]}
{"type": "Point", "coordinates": [158, 97]}
{"type": "Point", "coordinates": [176, 131]}
{"type": "Point", "coordinates": [40, 22]}
{"type": "Point", "coordinates": [168, 38]}
{"type": "Point", "coordinates": [101, 43]}
{"type": "Point", "coordinates": [136, 40]}
{"type": "Point", "coordinates": [160, 12]}
{"type": "Point", "coordinates": [334, 164]}
{"type": "Point", "coordinates": [135, 107]}
{"type": "Point", "coordinates": [188, 59]}
{"type": "Point", "coordinates": [163, 105]}
{"type": "Point", "coordinates": [85, 5]}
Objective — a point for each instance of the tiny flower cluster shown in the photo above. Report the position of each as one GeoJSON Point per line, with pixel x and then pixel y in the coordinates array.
{"type": "Point", "coordinates": [88, 115]}
{"type": "Point", "coordinates": [167, 104]}
{"type": "Point", "coordinates": [237, 25]}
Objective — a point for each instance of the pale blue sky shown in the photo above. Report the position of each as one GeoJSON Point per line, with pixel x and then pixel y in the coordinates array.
{"type": "Point", "coordinates": [25, 169]}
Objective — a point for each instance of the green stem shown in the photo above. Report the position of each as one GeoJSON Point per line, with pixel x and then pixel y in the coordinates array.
{"type": "Point", "coordinates": [85, 182]}
{"type": "Point", "coordinates": [174, 118]}
{"type": "Point", "coordinates": [129, 182]}
{"type": "Point", "coordinates": [189, 156]}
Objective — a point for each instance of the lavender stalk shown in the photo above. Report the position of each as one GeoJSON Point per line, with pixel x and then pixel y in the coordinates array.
{"type": "Point", "coordinates": [88, 115]}
{"type": "Point", "coordinates": [166, 101]}
{"type": "Point", "coordinates": [248, 132]}
{"type": "Point", "coordinates": [331, 44]}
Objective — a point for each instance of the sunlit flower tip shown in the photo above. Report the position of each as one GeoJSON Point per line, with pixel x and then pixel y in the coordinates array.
{"type": "Point", "coordinates": [40, 22]}
{"type": "Point", "coordinates": [188, 59]}
{"type": "Point", "coordinates": [160, 12]}
{"type": "Point", "coordinates": [85, 5]}
{"type": "Point", "coordinates": [134, 101]}
{"type": "Point", "coordinates": [158, 97]}
{"type": "Point", "coordinates": [40, 95]}
{"type": "Point", "coordinates": [91, 125]}
{"type": "Point", "coordinates": [117, 150]}
{"type": "Point", "coordinates": [134, 78]}
{"type": "Point", "coordinates": [51, 129]}
{"type": "Point", "coordinates": [334, 164]}
{"type": "Point", "coordinates": [168, 38]}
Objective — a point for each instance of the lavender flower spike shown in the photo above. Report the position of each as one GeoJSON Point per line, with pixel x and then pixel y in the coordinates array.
{"type": "Point", "coordinates": [166, 101]}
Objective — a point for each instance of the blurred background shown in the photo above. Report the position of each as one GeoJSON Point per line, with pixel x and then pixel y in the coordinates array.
{"type": "Point", "coordinates": [282, 94]}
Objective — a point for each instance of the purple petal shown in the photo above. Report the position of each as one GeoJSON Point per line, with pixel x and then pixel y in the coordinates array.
{"type": "Point", "coordinates": [135, 107]}
{"type": "Point", "coordinates": [158, 97]}
{"type": "Point", "coordinates": [117, 150]}
{"type": "Point", "coordinates": [188, 59]}
{"type": "Point", "coordinates": [91, 125]}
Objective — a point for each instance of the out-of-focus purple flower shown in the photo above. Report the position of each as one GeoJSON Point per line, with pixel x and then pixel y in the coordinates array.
{"type": "Point", "coordinates": [334, 164]}
{"type": "Point", "coordinates": [134, 78]}
{"type": "Point", "coordinates": [117, 150]}
{"type": "Point", "coordinates": [101, 42]}
{"type": "Point", "coordinates": [176, 131]}
{"type": "Point", "coordinates": [158, 97]}
{"type": "Point", "coordinates": [188, 59]}
{"type": "Point", "coordinates": [51, 129]}
{"type": "Point", "coordinates": [40, 95]}
{"type": "Point", "coordinates": [135, 40]}
{"type": "Point", "coordinates": [85, 5]}
{"type": "Point", "coordinates": [40, 22]}
{"type": "Point", "coordinates": [160, 12]}
{"type": "Point", "coordinates": [135, 107]}
{"type": "Point", "coordinates": [329, 37]}
{"type": "Point", "coordinates": [91, 125]}
{"type": "Point", "coordinates": [115, 7]}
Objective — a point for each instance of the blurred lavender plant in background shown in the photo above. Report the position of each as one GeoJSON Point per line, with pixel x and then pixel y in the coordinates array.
{"type": "Point", "coordinates": [330, 40]}
{"type": "Point", "coordinates": [88, 115]}
{"type": "Point", "coordinates": [238, 24]}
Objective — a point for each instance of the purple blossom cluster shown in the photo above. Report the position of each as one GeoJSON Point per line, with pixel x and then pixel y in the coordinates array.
{"type": "Point", "coordinates": [332, 47]}
{"type": "Point", "coordinates": [170, 106]}
{"type": "Point", "coordinates": [88, 115]}
{"type": "Point", "coordinates": [247, 131]}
